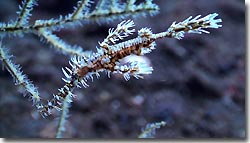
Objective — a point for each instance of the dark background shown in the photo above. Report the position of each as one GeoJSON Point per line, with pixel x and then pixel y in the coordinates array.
{"type": "Point", "coordinates": [197, 86]}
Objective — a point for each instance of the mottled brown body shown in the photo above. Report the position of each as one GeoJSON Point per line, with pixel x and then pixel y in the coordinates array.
{"type": "Point", "coordinates": [114, 57]}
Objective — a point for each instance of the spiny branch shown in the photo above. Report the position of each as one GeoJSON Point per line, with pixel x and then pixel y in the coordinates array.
{"type": "Point", "coordinates": [24, 13]}
{"type": "Point", "coordinates": [18, 76]}
{"type": "Point", "coordinates": [63, 117]}
{"type": "Point", "coordinates": [81, 9]}
{"type": "Point", "coordinates": [150, 129]}
{"type": "Point", "coordinates": [102, 14]}
{"type": "Point", "coordinates": [59, 44]}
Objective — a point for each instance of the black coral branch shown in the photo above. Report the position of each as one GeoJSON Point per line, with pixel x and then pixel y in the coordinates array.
{"type": "Point", "coordinates": [19, 77]}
